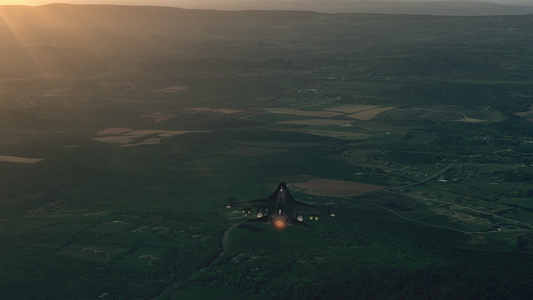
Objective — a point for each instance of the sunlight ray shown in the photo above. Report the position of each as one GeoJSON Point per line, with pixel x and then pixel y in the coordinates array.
{"type": "Point", "coordinates": [13, 19]}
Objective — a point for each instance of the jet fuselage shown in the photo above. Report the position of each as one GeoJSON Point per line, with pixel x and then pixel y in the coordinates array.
{"type": "Point", "coordinates": [279, 209]}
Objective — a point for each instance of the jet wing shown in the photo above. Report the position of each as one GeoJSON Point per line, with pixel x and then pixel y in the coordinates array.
{"type": "Point", "coordinates": [300, 223]}
{"type": "Point", "coordinates": [261, 203]}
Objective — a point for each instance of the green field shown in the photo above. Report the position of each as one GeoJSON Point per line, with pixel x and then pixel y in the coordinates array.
{"type": "Point", "coordinates": [141, 214]}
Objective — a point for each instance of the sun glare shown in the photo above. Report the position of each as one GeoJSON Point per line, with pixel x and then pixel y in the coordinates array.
{"type": "Point", "coordinates": [35, 31]}
{"type": "Point", "coordinates": [24, 2]}
{"type": "Point", "coordinates": [16, 22]}
{"type": "Point", "coordinates": [47, 48]}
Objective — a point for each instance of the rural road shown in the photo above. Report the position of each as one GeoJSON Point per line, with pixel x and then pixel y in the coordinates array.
{"type": "Point", "coordinates": [225, 238]}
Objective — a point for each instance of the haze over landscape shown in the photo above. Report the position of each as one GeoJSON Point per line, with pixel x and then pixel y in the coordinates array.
{"type": "Point", "coordinates": [125, 132]}
{"type": "Point", "coordinates": [434, 7]}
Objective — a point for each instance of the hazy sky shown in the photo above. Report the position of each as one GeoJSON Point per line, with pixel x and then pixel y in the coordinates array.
{"type": "Point", "coordinates": [204, 3]}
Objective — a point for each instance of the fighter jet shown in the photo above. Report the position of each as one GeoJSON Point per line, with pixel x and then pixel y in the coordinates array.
{"type": "Point", "coordinates": [279, 208]}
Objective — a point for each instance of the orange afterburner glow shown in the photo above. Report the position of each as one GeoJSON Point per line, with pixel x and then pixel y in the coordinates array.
{"type": "Point", "coordinates": [279, 224]}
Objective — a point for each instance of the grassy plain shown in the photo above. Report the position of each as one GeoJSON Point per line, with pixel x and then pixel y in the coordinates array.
{"type": "Point", "coordinates": [429, 203]}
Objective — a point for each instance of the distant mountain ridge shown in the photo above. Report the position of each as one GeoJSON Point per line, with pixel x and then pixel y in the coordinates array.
{"type": "Point", "coordinates": [412, 7]}
{"type": "Point", "coordinates": [454, 8]}
{"type": "Point", "coordinates": [107, 19]}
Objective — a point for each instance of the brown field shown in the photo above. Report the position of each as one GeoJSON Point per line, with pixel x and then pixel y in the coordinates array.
{"type": "Point", "coordinates": [145, 132]}
{"type": "Point", "coordinates": [21, 160]}
{"type": "Point", "coordinates": [128, 135]}
{"type": "Point", "coordinates": [219, 110]}
{"type": "Point", "coordinates": [158, 117]}
{"type": "Point", "coordinates": [173, 89]}
{"type": "Point", "coordinates": [286, 111]}
{"type": "Point", "coordinates": [333, 134]}
{"type": "Point", "coordinates": [336, 188]}
{"type": "Point", "coordinates": [148, 141]}
{"type": "Point", "coordinates": [526, 114]}
{"type": "Point", "coordinates": [369, 114]}
{"type": "Point", "coordinates": [113, 131]}
{"type": "Point", "coordinates": [117, 139]}
{"type": "Point", "coordinates": [254, 151]}
{"type": "Point", "coordinates": [316, 122]}
{"type": "Point", "coordinates": [170, 133]}
{"type": "Point", "coordinates": [352, 108]}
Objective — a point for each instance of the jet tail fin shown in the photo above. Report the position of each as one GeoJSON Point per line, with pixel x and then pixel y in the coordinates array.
{"type": "Point", "coordinates": [300, 223]}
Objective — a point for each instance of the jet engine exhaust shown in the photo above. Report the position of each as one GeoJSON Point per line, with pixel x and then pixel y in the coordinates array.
{"type": "Point", "coordinates": [279, 223]}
